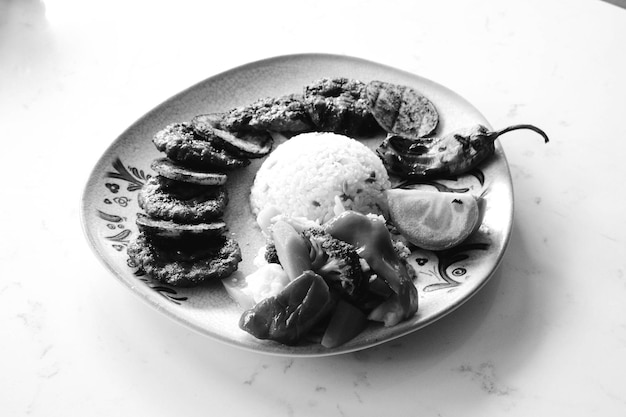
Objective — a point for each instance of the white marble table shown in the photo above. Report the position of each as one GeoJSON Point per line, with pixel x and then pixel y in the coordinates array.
{"type": "Point", "coordinates": [545, 337]}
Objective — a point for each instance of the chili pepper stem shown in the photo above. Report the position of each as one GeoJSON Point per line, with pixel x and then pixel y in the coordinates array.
{"type": "Point", "coordinates": [523, 126]}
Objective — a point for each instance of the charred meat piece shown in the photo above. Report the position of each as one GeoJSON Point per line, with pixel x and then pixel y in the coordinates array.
{"type": "Point", "coordinates": [401, 110]}
{"type": "Point", "coordinates": [181, 202]}
{"type": "Point", "coordinates": [185, 266]}
{"type": "Point", "coordinates": [167, 168]}
{"type": "Point", "coordinates": [181, 144]}
{"type": "Point", "coordinates": [339, 105]}
{"type": "Point", "coordinates": [242, 144]}
{"type": "Point", "coordinates": [278, 114]}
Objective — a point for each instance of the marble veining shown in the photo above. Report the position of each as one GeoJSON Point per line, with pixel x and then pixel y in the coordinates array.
{"type": "Point", "coordinates": [485, 376]}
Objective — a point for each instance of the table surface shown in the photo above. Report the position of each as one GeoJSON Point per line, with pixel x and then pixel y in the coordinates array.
{"type": "Point", "coordinates": [545, 337]}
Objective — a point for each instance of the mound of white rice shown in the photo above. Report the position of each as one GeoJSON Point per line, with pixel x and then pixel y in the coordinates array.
{"type": "Point", "coordinates": [302, 177]}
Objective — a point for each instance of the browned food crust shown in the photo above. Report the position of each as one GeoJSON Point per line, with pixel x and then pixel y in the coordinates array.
{"type": "Point", "coordinates": [339, 105]}
{"type": "Point", "coordinates": [401, 110]}
{"type": "Point", "coordinates": [181, 144]}
{"type": "Point", "coordinates": [278, 114]}
{"type": "Point", "coordinates": [181, 202]}
{"type": "Point", "coordinates": [185, 267]}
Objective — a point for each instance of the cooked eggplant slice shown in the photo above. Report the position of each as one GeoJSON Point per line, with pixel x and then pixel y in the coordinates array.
{"type": "Point", "coordinates": [167, 168]}
{"type": "Point", "coordinates": [180, 143]}
{"type": "Point", "coordinates": [165, 199]}
{"type": "Point", "coordinates": [165, 229]}
{"type": "Point", "coordinates": [401, 110]}
{"type": "Point", "coordinates": [244, 144]}
{"type": "Point", "coordinates": [187, 266]}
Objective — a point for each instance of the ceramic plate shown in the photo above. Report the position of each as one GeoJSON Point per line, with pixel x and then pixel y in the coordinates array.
{"type": "Point", "coordinates": [446, 279]}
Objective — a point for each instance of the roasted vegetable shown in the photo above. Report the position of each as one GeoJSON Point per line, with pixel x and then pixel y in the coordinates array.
{"type": "Point", "coordinates": [169, 169]}
{"type": "Point", "coordinates": [242, 144]}
{"type": "Point", "coordinates": [169, 231]}
{"type": "Point", "coordinates": [372, 241]}
{"type": "Point", "coordinates": [346, 322]}
{"type": "Point", "coordinates": [336, 261]}
{"type": "Point", "coordinates": [291, 249]}
{"type": "Point", "coordinates": [288, 316]}
{"type": "Point", "coordinates": [401, 110]}
{"type": "Point", "coordinates": [447, 156]}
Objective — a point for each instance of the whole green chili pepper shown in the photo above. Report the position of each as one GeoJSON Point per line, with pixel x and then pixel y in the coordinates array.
{"type": "Point", "coordinates": [448, 156]}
